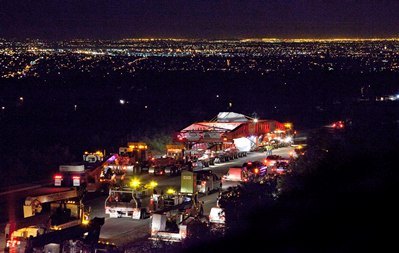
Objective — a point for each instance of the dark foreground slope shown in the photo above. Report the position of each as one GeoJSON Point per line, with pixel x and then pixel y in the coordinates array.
{"type": "Point", "coordinates": [341, 196]}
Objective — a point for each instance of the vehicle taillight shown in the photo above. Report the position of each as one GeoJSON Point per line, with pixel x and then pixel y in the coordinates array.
{"type": "Point", "coordinates": [57, 177]}
{"type": "Point", "coordinates": [12, 243]}
{"type": "Point", "coordinates": [249, 163]}
{"type": "Point", "coordinates": [76, 177]}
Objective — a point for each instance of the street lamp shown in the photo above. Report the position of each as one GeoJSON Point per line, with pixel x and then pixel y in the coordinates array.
{"type": "Point", "coordinates": [256, 131]}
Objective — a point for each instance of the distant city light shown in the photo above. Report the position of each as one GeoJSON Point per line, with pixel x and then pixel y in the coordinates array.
{"type": "Point", "coordinates": [75, 107]}
{"type": "Point", "coordinates": [230, 104]}
{"type": "Point", "coordinates": [21, 98]}
{"type": "Point", "coordinates": [122, 101]}
{"type": "Point", "coordinates": [146, 106]}
{"type": "Point", "coordinates": [217, 96]}
{"type": "Point", "coordinates": [3, 107]}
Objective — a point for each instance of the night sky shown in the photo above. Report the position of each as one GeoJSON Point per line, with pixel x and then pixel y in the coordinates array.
{"type": "Point", "coordinates": [115, 19]}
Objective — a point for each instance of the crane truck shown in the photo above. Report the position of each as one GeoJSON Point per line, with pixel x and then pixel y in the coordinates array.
{"type": "Point", "coordinates": [66, 211]}
{"type": "Point", "coordinates": [79, 175]}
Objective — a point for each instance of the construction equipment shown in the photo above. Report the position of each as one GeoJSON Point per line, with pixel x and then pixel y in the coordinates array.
{"type": "Point", "coordinates": [66, 208]}
{"type": "Point", "coordinates": [82, 238]}
{"type": "Point", "coordinates": [165, 166]}
{"type": "Point", "coordinates": [93, 157]}
{"type": "Point", "coordinates": [82, 176]}
{"type": "Point", "coordinates": [129, 161]}
{"type": "Point", "coordinates": [175, 150]}
{"type": "Point", "coordinates": [65, 211]}
{"type": "Point", "coordinates": [170, 221]}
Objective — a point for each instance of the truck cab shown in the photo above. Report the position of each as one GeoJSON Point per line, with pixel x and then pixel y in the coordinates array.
{"type": "Point", "coordinates": [207, 181]}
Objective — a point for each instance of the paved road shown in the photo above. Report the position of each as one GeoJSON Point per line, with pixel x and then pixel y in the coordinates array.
{"type": "Point", "coordinates": [121, 230]}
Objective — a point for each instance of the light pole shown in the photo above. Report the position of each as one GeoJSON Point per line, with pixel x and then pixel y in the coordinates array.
{"type": "Point", "coordinates": [255, 120]}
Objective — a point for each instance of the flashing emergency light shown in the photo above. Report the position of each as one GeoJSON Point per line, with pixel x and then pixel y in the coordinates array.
{"type": "Point", "coordinates": [170, 191]}
{"type": "Point", "coordinates": [152, 184]}
{"type": "Point", "coordinates": [288, 125]}
{"type": "Point", "coordinates": [135, 183]}
{"type": "Point", "coordinates": [85, 221]}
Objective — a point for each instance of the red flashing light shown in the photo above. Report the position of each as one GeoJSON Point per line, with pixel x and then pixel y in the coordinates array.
{"type": "Point", "coordinates": [161, 172]}
{"type": "Point", "coordinates": [57, 177]}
